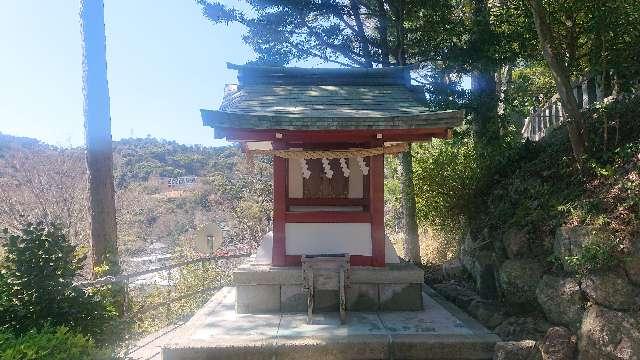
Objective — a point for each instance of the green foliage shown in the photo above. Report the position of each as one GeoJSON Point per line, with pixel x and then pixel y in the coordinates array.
{"type": "Point", "coordinates": [532, 85]}
{"type": "Point", "coordinates": [36, 286]}
{"type": "Point", "coordinates": [446, 173]}
{"type": "Point", "coordinates": [595, 256]}
{"type": "Point", "coordinates": [51, 344]}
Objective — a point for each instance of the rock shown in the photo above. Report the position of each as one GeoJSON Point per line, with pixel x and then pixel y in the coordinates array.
{"type": "Point", "coordinates": [453, 269]}
{"type": "Point", "coordinates": [521, 328]}
{"type": "Point", "coordinates": [515, 350]}
{"type": "Point", "coordinates": [609, 334]}
{"type": "Point", "coordinates": [561, 300]}
{"type": "Point", "coordinates": [516, 243]}
{"type": "Point", "coordinates": [482, 265]}
{"type": "Point", "coordinates": [519, 281]}
{"type": "Point", "coordinates": [558, 344]}
{"type": "Point", "coordinates": [569, 241]}
{"type": "Point", "coordinates": [457, 293]}
{"type": "Point", "coordinates": [611, 289]}
{"type": "Point", "coordinates": [485, 275]}
{"type": "Point", "coordinates": [489, 313]}
{"type": "Point", "coordinates": [632, 268]}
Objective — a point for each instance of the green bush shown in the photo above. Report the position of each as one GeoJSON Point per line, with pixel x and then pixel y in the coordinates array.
{"type": "Point", "coordinates": [37, 290]}
{"type": "Point", "coordinates": [595, 256]}
{"type": "Point", "coordinates": [446, 174]}
{"type": "Point", "coordinates": [51, 344]}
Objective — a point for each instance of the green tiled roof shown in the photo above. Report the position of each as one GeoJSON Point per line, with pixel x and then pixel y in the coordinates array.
{"type": "Point", "coordinates": [318, 99]}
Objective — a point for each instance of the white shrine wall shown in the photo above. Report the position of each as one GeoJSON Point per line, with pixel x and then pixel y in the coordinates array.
{"type": "Point", "coordinates": [327, 238]}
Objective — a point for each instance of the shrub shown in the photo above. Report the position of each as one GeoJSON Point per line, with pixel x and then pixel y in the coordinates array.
{"type": "Point", "coordinates": [595, 256]}
{"type": "Point", "coordinates": [51, 344]}
{"type": "Point", "coordinates": [445, 174]}
{"type": "Point", "coordinates": [36, 286]}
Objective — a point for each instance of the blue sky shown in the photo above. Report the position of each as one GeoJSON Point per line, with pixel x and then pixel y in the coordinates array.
{"type": "Point", "coordinates": [165, 62]}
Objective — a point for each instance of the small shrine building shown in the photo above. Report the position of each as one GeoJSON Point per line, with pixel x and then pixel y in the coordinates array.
{"type": "Point", "coordinates": [327, 131]}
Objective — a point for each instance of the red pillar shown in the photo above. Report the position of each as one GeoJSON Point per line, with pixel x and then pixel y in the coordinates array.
{"type": "Point", "coordinates": [376, 207]}
{"type": "Point", "coordinates": [278, 252]}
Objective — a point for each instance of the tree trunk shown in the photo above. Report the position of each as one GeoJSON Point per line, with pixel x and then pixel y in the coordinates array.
{"type": "Point", "coordinates": [97, 122]}
{"type": "Point", "coordinates": [362, 37]}
{"type": "Point", "coordinates": [575, 125]}
{"type": "Point", "coordinates": [411, 240]}
{"type": "Point", "coordinates": [485, 104]}
{"type": "Point", "coordinates": [412, 244]}
{"type": "Point", "coordinates": [484, 97]}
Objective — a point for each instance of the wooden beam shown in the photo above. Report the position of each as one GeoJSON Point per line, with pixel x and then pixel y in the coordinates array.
{"type": "Point", "coordinates": [355, 260]}
{"type": "Point", "coordinates": [328, 217]}
{"type": "Point", "coordinates": [376, 208]}
{"type": "Point", "coordinates": [327, 202]}
{"type": "Point", "coordinates": [330, 136]}
{"type": "Point", "coordinates": [280, 175]}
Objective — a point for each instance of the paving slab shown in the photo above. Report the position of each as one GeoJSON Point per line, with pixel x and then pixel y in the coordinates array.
{"type": "Point", "coordinates": [439, 331]}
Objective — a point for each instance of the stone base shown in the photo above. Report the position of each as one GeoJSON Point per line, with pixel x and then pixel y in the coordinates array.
{"type": "Point", "coordinates": [439, 332]}
{"type": "Point", "coordinates": [266, 289]}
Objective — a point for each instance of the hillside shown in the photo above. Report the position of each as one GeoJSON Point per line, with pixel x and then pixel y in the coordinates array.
{"type": "Point", "coordinates": [40, 181]}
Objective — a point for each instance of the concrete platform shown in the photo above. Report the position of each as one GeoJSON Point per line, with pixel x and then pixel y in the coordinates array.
{"type": "Point", "coordinates": [439, 331]}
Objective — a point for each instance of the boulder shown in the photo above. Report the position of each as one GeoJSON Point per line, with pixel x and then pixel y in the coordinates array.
{"type": "Point", "coordinates": [489, 313]}
{"type": "Point", "coordinates": [456, 293]}
{"type": "Point", "coordinates": [519, 281]}
{"type": "Point", "coordinates": [481, 264]}
{"type": "Point", "coordinates": [516, 350]}
{"type": "Point", "coordinates": [569, 241]}
{"type": "Point", "coordinates": [609, 334]}
{"type": "Point", "coordinates": [453, 269]}
{"type": "Point", "coordinates": [558, 344]}
{"type": "Point", "coordinates": [516, 243]}
{"type": "Point", "coordinates": [522, 328]}
{"type": "Point", "coordinates": [561, 300]}
{"type": "Point", "coordinates": [632, 262]}
{"type": "Point", "coordinates": [632, 268]}
{"type": "Point", "coordinates": [611, 289]}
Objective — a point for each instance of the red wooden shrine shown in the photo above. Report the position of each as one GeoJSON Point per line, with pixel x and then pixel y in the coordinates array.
{"type": "Point", "coordinates": [275, 108]}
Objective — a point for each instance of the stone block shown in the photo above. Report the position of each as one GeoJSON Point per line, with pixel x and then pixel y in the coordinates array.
{"type": "Point", "coordinates": [266, 275]}
{"type": "Point", "coordinates": [292, 299]}
{"type": "Point", "coordinates": [326, 301]}
{"type": "Point", "coordinates": [256, 299]}
{"type": "Point", "coordinates": [390, 274]}
{"type": "Point", "coordinates": [400, 297]}
{"type": "Point", "coordinates": [363, 297]}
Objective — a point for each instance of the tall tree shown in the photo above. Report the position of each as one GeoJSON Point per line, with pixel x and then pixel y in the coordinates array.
{"type": "Point", "coordinates": [97, 123]}
{"type": "Point", "coordinates": [561, 75]}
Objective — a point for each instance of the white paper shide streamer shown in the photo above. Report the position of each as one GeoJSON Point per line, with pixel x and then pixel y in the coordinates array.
{"type": "Point", "coordinates": [363, 165]}
{"type": "Point", "coordinates": [305, 169]}
{"type": "Point", "coordinates": [327, 168]}
{"type": "Point", "coordinates": [345, 168]}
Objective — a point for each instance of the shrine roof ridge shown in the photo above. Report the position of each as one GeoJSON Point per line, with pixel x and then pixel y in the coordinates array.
{"type": "Point", "coordinates": [271, 75]}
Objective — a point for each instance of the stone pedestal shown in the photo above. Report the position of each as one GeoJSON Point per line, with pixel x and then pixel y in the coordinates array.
{"type": "Point", "coordinates": [266, 289]}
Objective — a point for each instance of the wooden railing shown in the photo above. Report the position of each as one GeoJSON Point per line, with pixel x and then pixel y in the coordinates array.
{"type": "Point", "coordinates": [132, 314]}
{"type": "Point", "coordinates": [549, 116]}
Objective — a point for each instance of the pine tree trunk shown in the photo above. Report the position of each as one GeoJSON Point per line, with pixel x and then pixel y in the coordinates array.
{"type": "Point", "coordinates": [412, 245]}
{"type": "Point", "coordinates": [97, 122]}
{"type": "Point", "coordinates": [561, 75]}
